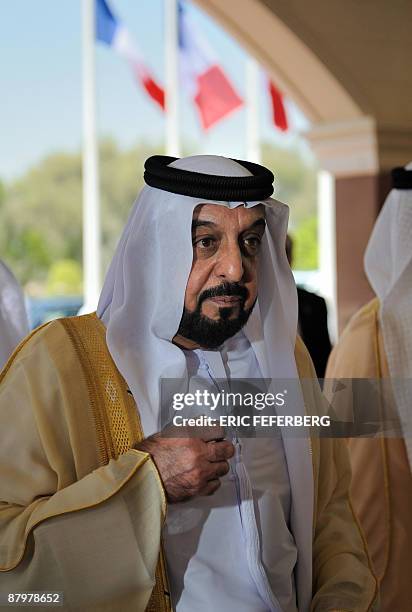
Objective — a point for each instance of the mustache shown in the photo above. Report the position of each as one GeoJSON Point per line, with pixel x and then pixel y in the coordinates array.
{"type": "Point", "coordinates": [224, 289]}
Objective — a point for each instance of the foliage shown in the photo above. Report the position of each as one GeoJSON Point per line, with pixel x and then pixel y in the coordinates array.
{"type": "Point", "coordinates": [295, 185]}
{"type": "Point", "coordinates": [42, 217]}
{"type": "Point", "coordinates": [305, 252]}
{"type": "Point", "coordinates": [41, 212]}
{"type": "Point", "coordinates": [295, 180]}
{"type": "Point", "coordinates": [65, 278]}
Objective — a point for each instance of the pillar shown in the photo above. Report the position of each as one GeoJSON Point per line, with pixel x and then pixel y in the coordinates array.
{"type": "Point", "coordinates": [359, 154]}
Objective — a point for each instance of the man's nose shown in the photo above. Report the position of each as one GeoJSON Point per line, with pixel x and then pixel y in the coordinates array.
{"type": "Point", "coordinates": [230, 263]}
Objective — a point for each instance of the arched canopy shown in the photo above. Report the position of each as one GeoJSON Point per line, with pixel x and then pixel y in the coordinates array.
{"type": "Point", "coordinates": [339, 61]}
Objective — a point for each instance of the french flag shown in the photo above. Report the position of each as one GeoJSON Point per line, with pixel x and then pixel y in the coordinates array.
{"type": "Point", "coordinates": [111, 31]}
{"type": "Point", "coordinates": [279, 115]}
{"type": "Point", "coordinates": [201, 75]}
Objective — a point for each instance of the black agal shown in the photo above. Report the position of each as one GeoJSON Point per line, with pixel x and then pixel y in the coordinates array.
{"type": "Point", "coordinates": [158, 173]}
{"type": "Point", "coordinates": [401, 178]}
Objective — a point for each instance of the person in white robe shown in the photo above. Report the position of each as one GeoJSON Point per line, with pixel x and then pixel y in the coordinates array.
{"type": "Point", "coordinates": [14, 325]}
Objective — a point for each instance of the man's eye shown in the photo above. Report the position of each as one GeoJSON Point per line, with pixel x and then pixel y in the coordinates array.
{"type": "Point", "coordinates": [205, 243]}
{"type": "Point", "coordinates": [252, 243]}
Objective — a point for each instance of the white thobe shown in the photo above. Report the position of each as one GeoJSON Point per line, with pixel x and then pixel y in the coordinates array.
{"type": "Point", "coordinates": [226, 552]}
{"type": "Point", "coordinates": [13, 317]}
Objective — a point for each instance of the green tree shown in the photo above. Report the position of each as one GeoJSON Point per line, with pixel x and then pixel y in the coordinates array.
{"type": "Point", "coordinates": [42, 216]}
{"type": "Point", "coordinates": [295, 173]}
{"type": "Point", "coordinates": [41, 212]}
{"type": "Point", "coordinates": [64, 278]}
{"type": "Point", "coordinates": [305, 247]}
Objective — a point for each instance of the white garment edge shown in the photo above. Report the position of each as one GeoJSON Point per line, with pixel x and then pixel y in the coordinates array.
{"type": "Point", "coordinates": [14, 324]}
{"type": "Point", "coordinates": [388, 266]}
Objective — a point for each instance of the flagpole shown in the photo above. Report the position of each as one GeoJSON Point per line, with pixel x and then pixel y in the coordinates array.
{"type": "Point", "coordinates": [91, 203]}
{"type": "Point", "coordinates": [252, 111]}
{"type": "Point", "coordinates": [172, 78]}
{"type": "Point", "coordinates": [327, 246]}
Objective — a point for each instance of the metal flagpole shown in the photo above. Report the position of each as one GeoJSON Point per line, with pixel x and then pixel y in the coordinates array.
{"type": "Point", "coordinates": [91, 203]}
{"type": "Point", "coordinates": [252, 110]}
{"type": "Point", "coordinates": [327, 246]}
{"type": "Point", "coordinates": [172, 78]}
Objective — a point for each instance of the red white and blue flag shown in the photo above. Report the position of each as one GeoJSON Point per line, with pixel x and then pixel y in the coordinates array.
{"type": "Point", "coordinates": [111, 31]}
{"type": "Point", "coordinates": [279, 115]}
{"type": "Point", "coordinates": [202, 77]}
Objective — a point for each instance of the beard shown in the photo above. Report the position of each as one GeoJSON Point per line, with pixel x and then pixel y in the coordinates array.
{"type": "Point", "coordinates": [210, 333]}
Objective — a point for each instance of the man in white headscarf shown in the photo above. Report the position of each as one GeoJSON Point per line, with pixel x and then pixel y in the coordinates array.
{"type": "Point", "coordinates": [13, 317]}
{"type": "Point", "coordinates": [199, 290]}
{"type": "Point", "coordinates": [376, 344]}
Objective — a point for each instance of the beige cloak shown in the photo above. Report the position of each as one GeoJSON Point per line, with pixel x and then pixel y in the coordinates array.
{"type": "Point", "coordinates": [82, 512]}
{"type": "Point", "coordinates": [382, 481]}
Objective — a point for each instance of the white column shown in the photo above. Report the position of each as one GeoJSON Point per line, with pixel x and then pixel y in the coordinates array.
{"type": "Point", "coordinates": [253, 82]}
{"type": "Point", "coordinates": [91, 204]}
{"type": "Point", "coordinates": [172, 78]}
{"type": "Point", "coordinates": [327, 246]}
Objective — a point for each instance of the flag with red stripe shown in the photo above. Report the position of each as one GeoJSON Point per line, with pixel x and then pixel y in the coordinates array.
{"type": "Point", "coordinates": [202, 76]}
{"type": "Point", "coordinates": [111, 31]}
{"type": "Point", "coordinates": [279, 115]}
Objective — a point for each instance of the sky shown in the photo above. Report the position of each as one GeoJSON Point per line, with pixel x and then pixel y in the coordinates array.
{"type": "Point", "coordinates": [40, 76]}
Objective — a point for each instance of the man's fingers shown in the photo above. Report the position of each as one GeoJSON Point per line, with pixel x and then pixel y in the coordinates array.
{"type": "Point", "coordinates": [216, 470]}
{"type": "Point", "coordinates": [220, 451]}
{"type": "Point", "coordinates": [211, 487]}
{"type": "Point", "coordinates": [212, 432]}
{"type": "Point", "coordinates": [221, 468]}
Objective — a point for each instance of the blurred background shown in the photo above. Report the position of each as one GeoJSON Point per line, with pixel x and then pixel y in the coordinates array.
{"type": "Point", "coordinates": [320, 94]}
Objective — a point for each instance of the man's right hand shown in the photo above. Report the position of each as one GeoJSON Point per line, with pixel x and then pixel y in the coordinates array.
{"type": "Point", "coordinates": [189, 466]}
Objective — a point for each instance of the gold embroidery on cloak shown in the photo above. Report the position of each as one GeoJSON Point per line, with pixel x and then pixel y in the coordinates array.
{"type": "Point", "coordinates": [115, 415]}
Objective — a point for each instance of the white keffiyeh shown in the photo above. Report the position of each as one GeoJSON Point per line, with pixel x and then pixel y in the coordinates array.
{"type": "Point", "coordinates": [388, 265]}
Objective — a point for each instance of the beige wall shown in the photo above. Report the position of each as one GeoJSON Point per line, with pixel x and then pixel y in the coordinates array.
{"type": "Point", "coordinates": [339, 59]}
{"type": "Point", "coordinates": [358, 201]}
{"type": "Point", "coordinates": [286, 57]}
{"type": "Point", "coordinates": [365, 44]}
